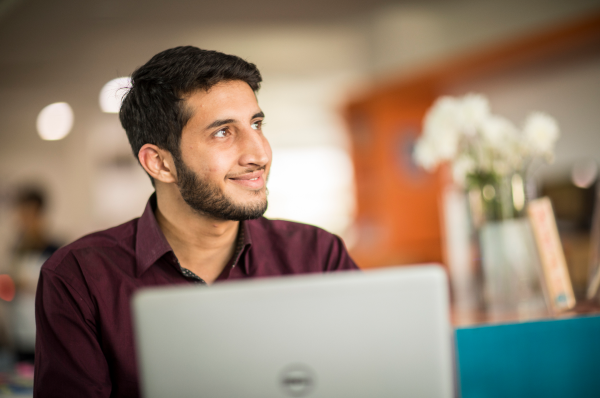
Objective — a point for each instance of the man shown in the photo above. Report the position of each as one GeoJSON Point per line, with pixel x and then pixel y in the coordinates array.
{"type": "Point", "coordinates": [32, 248]}
{"type": "Point", "coordinates": [194, 124]}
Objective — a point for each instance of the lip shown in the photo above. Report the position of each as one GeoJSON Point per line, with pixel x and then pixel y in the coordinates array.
{"type": "Point", "coordinates": [252, 180]}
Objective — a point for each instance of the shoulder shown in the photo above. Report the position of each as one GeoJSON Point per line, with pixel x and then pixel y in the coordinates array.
{"type": "Point", "coordinates": [300, 245]}
{"type": "Point", "coordinates": [287, 230]}
{"type": "Point", "coordinates": [121, 236]}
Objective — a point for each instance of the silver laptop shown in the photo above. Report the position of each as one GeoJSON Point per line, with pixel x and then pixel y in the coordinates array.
{"type": "Point", "coordinates": [383, 333]}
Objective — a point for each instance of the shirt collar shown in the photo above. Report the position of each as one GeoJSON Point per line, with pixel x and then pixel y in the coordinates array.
{"type": "Point", "coordinates": [246, 241]}
{"type": "Point", "coordinates": [151, 243]}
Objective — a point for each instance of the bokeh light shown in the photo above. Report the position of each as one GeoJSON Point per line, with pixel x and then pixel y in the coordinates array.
{"type": "Point", "coordinates": [112, 94]}
{"type": "Point", "coordinates": [584, 173]}
{"type": "Point", "coordinates": [55, 121]}
{"type": "Point", "coordinates": [7, 288]}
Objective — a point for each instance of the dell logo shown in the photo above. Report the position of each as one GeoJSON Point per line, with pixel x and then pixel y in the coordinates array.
{"type": "Point", "coordinates": [297, 380]}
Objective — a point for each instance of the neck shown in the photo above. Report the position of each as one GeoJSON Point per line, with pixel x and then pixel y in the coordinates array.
{"type": "Point", "coordinates": [201, 243]}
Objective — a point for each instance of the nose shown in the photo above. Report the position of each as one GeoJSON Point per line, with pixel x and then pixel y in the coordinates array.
{"type": "Point", "coordinates": [254, 148]}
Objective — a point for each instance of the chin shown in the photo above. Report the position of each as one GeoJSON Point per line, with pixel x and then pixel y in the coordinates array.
{"type": "Point", "coordinates": [249, 197]}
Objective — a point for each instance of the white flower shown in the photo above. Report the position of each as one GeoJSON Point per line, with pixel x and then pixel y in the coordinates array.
{"type": "Point", "coordinates": [442, 127]}
{"type": "Point", "coordinates": [446, 145]}
{"type": "Point", "coordinates": [475, 110]}
{"type": "Point", "coordinates": [463, 131]}
{"type": "Point", "coordinates": [462, 167]}
{"type": "Point", "coordinates": [425, 154]}
{"type": "Point", "coordinates": [499, 133]}
{"type": "Point", "coordinates": [541, 132]}
{"type": "Point", "coordinates": [443, 117]}
{"type": "Point", "coordinates": [430, 151]}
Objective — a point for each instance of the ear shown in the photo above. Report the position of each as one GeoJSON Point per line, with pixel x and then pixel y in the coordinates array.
{"type": "Point", "coordinates": [158, 163]}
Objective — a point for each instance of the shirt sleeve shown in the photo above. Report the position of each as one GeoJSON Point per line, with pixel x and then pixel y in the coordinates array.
{"type": "Point", "coordinates": [69, 361]}
{"type": "Point", "coordinates": [338, 258]}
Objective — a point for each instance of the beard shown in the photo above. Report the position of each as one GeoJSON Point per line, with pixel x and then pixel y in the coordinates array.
{"type": "Point", "coordinates": [208, 199]}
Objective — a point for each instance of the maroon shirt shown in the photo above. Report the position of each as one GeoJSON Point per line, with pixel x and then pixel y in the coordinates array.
{"type": "Point", "coordinates": [84, 345]}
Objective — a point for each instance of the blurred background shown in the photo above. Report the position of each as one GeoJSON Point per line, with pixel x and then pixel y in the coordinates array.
{"type": "Point", "coordinates": [346, 85]}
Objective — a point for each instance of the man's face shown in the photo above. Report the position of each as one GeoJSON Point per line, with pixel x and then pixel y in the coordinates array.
{"type": "Point", "coordinates": [225, 158]}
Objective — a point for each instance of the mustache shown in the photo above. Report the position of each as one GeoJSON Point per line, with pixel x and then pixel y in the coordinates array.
{"type": "Point", "coordinates": [247, 171]}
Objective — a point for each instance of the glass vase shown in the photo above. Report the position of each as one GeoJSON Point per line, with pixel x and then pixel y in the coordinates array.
{"type": "Point", "coordinates": [508, 254]}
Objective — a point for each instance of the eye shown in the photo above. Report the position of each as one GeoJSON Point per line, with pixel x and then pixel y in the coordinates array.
{"type": "Point", "coordinates": [221, 133]}
{"type": "Point", "coordinates": [257, 125]}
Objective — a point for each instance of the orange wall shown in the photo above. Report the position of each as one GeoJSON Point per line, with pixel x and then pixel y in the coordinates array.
{"type": "Point", "coordinates": [398, 218]}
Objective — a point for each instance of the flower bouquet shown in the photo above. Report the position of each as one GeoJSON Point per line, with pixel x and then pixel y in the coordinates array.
{"type": "Point", "coordinates": [489, 157]}
{"type": "Point", "coordinates": [486, 151]}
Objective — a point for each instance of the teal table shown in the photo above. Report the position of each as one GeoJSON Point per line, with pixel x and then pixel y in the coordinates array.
{"type": "Point", "coordinates": [550, 358]}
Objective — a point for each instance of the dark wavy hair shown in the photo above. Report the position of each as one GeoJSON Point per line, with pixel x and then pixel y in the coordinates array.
{"type": "Point", "coordinates": [153, 110]}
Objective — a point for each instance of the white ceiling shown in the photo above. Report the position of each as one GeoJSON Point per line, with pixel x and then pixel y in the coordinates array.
{"type": "Point", "coordinates": [65, 50]}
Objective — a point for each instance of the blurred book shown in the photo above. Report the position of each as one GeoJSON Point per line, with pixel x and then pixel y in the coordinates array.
{"type": "Point", "coordinates": [594, 282]}
{"type": "Point", "coordinates": [557, 282]}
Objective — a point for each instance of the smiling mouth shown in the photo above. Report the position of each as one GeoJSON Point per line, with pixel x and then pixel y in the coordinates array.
{"type": "Point", "coordinates": [253, 180]}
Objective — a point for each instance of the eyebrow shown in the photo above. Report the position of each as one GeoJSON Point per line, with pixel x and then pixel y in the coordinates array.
{"type": "Point", "coordinates": [220, 122]}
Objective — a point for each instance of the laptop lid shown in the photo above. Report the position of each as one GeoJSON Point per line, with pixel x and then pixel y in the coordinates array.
{"type": "Point", "coordinates": [383, 333]}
